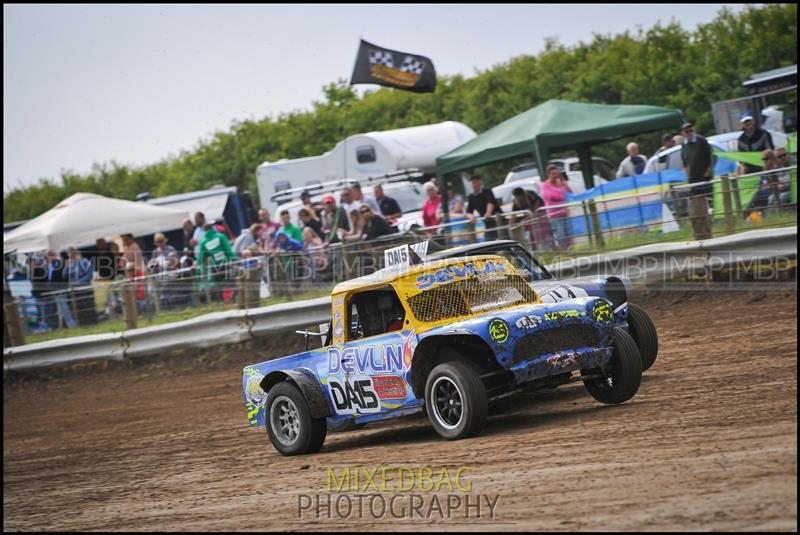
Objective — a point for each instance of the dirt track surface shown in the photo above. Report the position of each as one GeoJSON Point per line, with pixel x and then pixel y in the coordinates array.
{"type": "Point", "coordinates": [709, 442]}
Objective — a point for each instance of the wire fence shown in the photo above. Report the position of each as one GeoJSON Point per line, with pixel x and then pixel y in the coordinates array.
{"type": "Point", "coordinates": [670, 211]}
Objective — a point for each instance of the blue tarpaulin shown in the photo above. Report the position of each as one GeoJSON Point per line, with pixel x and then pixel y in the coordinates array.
{"type": "Point", "coordinates": [634, 201]}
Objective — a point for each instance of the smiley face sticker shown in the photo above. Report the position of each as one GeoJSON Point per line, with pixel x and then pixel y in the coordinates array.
{"type": "Point", "coordinates": [498, 330]}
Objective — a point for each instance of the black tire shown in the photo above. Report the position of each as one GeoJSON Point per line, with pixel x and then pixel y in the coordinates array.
{"type": "Point", "coordinates": [623, 374]}
{"type": "Point", "coordinates": [456, 400]}
{"type": "Point", "coordinates": [644, 334]}
{"type": "Point", "coordinates": [303, 433]}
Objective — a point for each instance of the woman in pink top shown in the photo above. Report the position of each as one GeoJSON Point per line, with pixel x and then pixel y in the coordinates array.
{"type": "Point", "coordinates": [553, 191]}
{"type": "Point", "coordinates": [431, 207]}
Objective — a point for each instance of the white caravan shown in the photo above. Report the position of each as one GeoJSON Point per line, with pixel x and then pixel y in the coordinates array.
{"type": "Point", "coordinates": [361, 156]}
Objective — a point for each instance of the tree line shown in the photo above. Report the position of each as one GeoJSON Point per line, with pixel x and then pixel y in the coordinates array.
{"type": "Point", "coordinates": [665, 65]}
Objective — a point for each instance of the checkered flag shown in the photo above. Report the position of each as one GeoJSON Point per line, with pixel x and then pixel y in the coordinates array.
{"type": "Point", "coordinates": [413, 65]}
{"type": "Point", "coordinates": [381, 57]}
{"type": "Point", "coordinates": [378, 65]}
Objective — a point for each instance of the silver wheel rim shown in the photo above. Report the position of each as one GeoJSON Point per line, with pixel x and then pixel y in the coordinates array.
{"type": "Point", "coordinates": [285, 420]}
{"type": "Point", "coordinates": [447, 403]}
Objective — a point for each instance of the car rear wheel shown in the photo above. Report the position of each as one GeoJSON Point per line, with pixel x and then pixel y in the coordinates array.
{"type": "Point", "coordinates": [623, 374]}
{"type": "Point", "coordinates": [456, 400]}
{"type": "Point", "coordinates": [290, 426]}
{"type": "Point", "coordinates": [644, 333]}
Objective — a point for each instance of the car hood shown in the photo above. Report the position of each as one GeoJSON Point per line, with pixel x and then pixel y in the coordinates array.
{"type": "Point", "coordinates": [501, 329]}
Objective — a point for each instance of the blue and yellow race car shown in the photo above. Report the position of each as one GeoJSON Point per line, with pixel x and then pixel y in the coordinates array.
{"type": "Point", "coordinates": [448, 337]}
{"type": "Point", "coordinates": [615, 289]}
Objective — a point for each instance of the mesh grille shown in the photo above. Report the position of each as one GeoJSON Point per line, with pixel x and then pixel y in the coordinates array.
{"type": "Point", "coordinates": [555, 340]}
{"type": "Point", "coordinates": [471, 296]}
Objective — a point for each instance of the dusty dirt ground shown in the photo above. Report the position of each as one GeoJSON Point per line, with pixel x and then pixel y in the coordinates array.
{"type": "Point", "coordinates": [708, 443]}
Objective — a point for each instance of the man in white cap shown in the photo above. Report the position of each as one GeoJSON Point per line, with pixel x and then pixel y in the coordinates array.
{"type": "Point", "coordinates": [753, 139]}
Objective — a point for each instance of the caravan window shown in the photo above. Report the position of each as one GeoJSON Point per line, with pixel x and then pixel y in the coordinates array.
{"type": "Point", "coordinates": [365, 154]}
{"type": "Point", "coordinates": [281, 185]}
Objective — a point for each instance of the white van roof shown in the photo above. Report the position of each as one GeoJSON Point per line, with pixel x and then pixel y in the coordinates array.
{"type": "Point", "coordinates": [412, 147]}
{"type": "Point", "coordinates": [419, 146]}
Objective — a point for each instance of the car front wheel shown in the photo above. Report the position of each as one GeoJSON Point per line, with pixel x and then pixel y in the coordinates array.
{"type": "Point", "coordinates": [644, 333]}
{"type": "Point", "coordinates": [290, 426]}
{"type": "Point", "coordinates": [619, 380]}
{"type": "Point", "coordinates": [456, 400]}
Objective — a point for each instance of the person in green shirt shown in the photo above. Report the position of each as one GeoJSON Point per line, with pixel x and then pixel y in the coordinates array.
{"type": "Point", "coordinates": [291, 230]}
{"type": "Point", "coordinates": [215, 252]}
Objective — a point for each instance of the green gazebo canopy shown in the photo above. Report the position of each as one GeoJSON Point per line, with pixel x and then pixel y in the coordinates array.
{"type": "Point", "coordinates": [557, 125]}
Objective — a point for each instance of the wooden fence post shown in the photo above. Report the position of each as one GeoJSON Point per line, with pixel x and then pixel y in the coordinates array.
{"type": "Point", "coordinates": [588, 224]}
{"type": "Point", "coordinates": [737, 197]}
{"type": "Point", "coordinates": [157, 295]}
{"type": "Point", "coordinates": [73, 304]}
{"type": "Point", "coordinates": [252, 285]}
{"type": "Point", "coordinates": [726, 204]}
{"type": "Point", "coordinates": [13, 326]}
{"type": "Point", "coordinates": [598, 231]}
{"type": "Point", "coordinates": [129, 307]}
{"type": "Point", "coordinates": [241, 287]}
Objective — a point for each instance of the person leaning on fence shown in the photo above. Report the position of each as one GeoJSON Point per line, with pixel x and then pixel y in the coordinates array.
{"type": "Point", "coordinates": [773, 188]}
{"type": "Point", "coordinates": [36, 265]}
{"type": "Point", "coordinates": [247, 238]}
{"type": "Point", "coordinates": [633, 164]}
{"type": "Point", "coordinates": [334, 220]}
{"type": "Point", "coordinates": [172, 293]}
{"type": "Point", "coordinates": [308, 220]}
{"type": "Point", "coordinates": [356, 227]}
{"type": "Point", "coordinates": [663, 160]}
{"type": "Point", "coordinates": [553, 191]}
{"type": "Point", "coordinates": [374, 225]}
{"type": "Point", "coordinates": [673, 160]}
{"type": "Point", "coordinates": [162, 250]}
{"type": "Point", "coordinates": [482, 200]}
{"type": "Point", "coordinates": [80, 274]}
{"type": "Point", "coordinates": [782, 197]}
{"type": "Point", "coordinates": [132, 253]}
{"type": "Point", "coordinates": [59, 302]}
{"type": "Point", "coordinates": [104, 260]}
{"type": "Point", "coordinates": [347, 201]}
{"type": "Point", "coordinates": [215, 254]}
{"type": "Point", "coordinates": [286, 250]}
{"type": "Point", "coordinates": [287, 243]}
{"type": "Point", "coordinates": [752, 139]}
{"type": "Point", "coordinates": [315, 248]}
{"type": "Point", "coordinates": [359, 197]}
{"type": "Point", "coordinates": [432, 205]}
{"type": "Point", "coordinates": [198, 233]}
{"type": "Point", "coordinates": [314, 209]}
{"type": "Point", "coordinates": [698, 163]}
{"type": "Point", "coordinates": [291, 230]}
{"type": "Point", "coordinates": [266, 238]}
{"type": "Point", "coordinates": [537, 228]}
{"type": "Point", "coordinates": [131, 273]}
{"type": "Point", "coordinates": [459, 224]}
{"type": "Point", "coordinates": [390, 208]}
{"type": "Point", "coordinates": [782, 157]}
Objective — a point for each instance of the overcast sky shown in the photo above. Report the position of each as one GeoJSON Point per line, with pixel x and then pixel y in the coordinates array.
{"type": "Point", "coordinates": [87, 84]}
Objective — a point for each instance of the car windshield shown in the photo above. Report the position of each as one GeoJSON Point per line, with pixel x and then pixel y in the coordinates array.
{"type": "Point", "coordinates": [474, 295]}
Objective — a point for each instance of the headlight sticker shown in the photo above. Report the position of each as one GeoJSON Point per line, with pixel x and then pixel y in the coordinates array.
{"type": "Point", "coordinates": [602, 311]}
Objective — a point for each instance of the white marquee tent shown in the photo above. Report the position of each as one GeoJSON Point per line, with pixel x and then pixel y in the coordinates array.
{"type": "Point", "coordinates": [83, 217]}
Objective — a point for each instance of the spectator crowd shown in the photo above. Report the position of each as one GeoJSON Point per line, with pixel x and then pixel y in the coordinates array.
{"type": "Point", "coordinates": [63, 281]}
